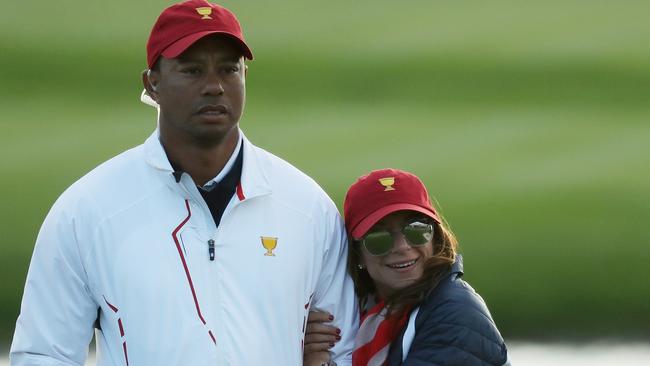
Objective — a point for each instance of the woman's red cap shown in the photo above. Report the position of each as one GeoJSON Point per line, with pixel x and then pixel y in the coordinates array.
{"type": "Point", "coordinates": [380, 193]}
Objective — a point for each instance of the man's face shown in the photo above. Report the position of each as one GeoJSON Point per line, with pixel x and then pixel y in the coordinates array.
{"type": "Point", "coordinates": [201, 93]}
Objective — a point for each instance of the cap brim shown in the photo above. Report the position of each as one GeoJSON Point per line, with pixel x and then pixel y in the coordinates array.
{"type": "Point", "coordinates": [369, 221]}
{"type": "Point", "coordinates": [178, 47]}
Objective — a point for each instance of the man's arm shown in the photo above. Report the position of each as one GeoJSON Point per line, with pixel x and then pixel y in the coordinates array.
{"type": "Point", "coordinates": [335, 291]}
{"type": "Point", "coordinates": [57, 312]}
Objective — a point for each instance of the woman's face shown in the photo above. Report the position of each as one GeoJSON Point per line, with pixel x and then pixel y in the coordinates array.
{"type": "Point", "coordinates": [403, 264]}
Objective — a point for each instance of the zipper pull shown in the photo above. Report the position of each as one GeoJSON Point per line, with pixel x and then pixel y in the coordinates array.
{"type": "Point", "coordinates": [211, 249]}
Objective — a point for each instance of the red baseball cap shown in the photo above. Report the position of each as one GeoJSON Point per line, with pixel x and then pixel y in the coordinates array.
{"type": "Point", "coordinates": [182, 24]}
{"type": "Point", "coordinates": [380, 193]}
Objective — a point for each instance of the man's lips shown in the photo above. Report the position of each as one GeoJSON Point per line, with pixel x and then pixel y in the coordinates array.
{"type": "Point", "coordinates": [213, 109]}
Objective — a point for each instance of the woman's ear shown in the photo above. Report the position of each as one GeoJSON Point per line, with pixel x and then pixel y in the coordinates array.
{"type": "Point", "coordinates": [362, 263]}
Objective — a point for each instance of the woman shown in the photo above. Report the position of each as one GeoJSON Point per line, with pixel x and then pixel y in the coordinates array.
{"type": "Point", "coordinates": [415, 308]}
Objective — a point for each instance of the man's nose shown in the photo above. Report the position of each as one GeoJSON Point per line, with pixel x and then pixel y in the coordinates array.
{"type": "Point", "coordinates": [213, 85]}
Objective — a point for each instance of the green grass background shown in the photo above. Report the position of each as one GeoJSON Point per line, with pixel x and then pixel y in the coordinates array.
{"type": "Point", "coordinates": [528, 121]}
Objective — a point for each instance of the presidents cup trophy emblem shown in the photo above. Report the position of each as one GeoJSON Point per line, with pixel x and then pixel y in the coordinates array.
{"type": "Point", "coordinates": [387, 183]}
{"type": "Point", "coordinates": [269, 243]}
{"type": "Point", "coordinates": [205, 11]}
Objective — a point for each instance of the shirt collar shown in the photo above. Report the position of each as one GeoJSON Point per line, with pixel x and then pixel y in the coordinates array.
{"type": "Point", "coordinates": [254, 181]}
{"type": "Point", "coordinates": [228, 166]}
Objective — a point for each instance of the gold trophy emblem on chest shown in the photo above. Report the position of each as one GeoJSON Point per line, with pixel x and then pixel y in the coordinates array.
{"type": "Point", "coordinates": [269, 243]}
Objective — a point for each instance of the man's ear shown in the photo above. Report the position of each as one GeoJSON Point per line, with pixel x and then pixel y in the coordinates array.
{"type": "Point", "coordinates": [150, 83]}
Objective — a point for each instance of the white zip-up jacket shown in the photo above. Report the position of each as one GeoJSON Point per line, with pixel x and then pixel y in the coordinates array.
{"type": "Point", "coordinates": [129, 246]}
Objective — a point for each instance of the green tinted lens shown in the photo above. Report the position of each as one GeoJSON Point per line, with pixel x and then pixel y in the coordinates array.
{"type": "Point", "coordinates": [418, 233]}
{"type": "Point", "coordinates": [378, 242]}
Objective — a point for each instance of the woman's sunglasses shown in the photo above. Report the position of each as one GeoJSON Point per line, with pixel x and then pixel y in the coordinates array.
{"type": "Point", "coordinates": [416, 233]}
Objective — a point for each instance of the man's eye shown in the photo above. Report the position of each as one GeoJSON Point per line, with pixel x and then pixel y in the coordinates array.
{"type": "Point", "coordinates": [191, 70]}
{"type": "Point", "coordinates": [231, 69]}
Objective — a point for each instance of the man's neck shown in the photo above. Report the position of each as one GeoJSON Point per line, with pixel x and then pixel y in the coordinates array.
{"type": "Point", "coordinates": [201, 161]}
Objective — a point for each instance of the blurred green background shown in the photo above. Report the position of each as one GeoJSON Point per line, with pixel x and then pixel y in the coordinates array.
{"type": "Point", "coordinates": [528, 121]}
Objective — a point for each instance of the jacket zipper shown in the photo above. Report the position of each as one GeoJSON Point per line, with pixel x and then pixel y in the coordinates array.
{"type": "Point", "coordinates": [211, 249]}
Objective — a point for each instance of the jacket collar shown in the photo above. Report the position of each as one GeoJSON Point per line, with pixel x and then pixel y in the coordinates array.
{"type": "Point", "coordinates": [155, 155]}
{"type": "Point", "coordinates": [457, 267]}
{"type": "Point", "coordinates": [253, 183]}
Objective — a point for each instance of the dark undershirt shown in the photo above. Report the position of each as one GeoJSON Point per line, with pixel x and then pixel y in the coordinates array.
{"type": "Point", "coordinates": [219, 194]}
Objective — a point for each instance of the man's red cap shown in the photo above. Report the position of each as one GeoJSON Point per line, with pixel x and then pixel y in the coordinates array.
{"type": "Point", "coordinates": [380, 193]}
{"type": "Point", "coordinates": [182, 24]}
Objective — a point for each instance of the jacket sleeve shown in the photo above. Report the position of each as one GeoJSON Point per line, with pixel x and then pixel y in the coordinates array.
{"type": "Point", "coordinates": [457, 331]}
{"type": "Point", "coordinates": [57, 313]}
{"type": "Point", "coordinates": [335, 291]}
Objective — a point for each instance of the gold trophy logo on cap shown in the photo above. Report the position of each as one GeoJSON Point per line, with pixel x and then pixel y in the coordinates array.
{"type": "Point", "coordinates": [388, 183]}
{"type": "Point", "coordinates": [205, 11]}
{"type": "Point", "coordinates": [269, 243]}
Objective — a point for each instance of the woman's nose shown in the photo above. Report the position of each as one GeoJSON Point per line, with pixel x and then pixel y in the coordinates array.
{"type": "Point", "coordinates": [399, 242]}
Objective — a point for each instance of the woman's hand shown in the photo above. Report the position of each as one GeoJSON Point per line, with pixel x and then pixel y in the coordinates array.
{"type": "Point", "coordinates": [318, 359]}
{"type": "Point", "coordinates": [320, 337]}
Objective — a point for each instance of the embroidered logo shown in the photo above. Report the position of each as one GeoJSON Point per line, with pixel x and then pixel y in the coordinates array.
{"type": "Point", "coordinates": [388, 183]}
{"type": "Point", "coordinates": [269, 243]}
{"type": "Point", "coordinates": [205, 11]}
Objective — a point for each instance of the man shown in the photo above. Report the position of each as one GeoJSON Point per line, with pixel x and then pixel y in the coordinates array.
{"type": "Point", "coordinates": [195, 248]}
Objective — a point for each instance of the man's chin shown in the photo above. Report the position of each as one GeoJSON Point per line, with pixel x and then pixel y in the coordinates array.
{"type": "Point", "coordinates": [213, 135]}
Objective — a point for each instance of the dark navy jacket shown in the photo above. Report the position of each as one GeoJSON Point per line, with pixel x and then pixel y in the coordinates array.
{"type": "Point", "coordinates": [453, 327]}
